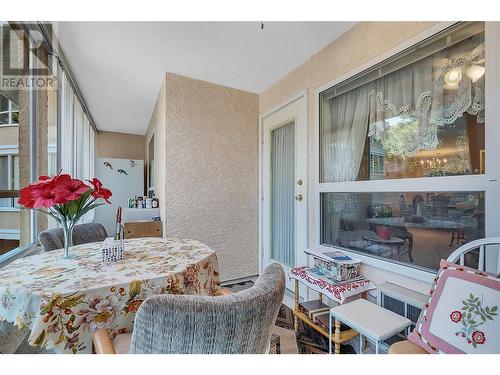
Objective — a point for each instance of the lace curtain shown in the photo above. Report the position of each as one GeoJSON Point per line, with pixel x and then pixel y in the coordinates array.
{"type": "Point", "coordinates": [418, 98]}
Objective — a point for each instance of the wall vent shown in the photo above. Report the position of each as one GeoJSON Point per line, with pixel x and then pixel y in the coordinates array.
{"type": "Point", "coordinates": [402, 301]}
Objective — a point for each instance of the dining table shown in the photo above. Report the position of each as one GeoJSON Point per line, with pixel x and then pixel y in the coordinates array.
{"type": "Point", "coordinates": [64, 301]}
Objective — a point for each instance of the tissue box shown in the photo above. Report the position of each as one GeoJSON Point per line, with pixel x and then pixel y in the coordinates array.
{"type": "Point", "coordinates": [112, 250]}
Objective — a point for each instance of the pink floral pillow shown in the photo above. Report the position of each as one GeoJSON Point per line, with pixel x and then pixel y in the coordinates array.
{"type": "Point", "coordinates": [461, 315]}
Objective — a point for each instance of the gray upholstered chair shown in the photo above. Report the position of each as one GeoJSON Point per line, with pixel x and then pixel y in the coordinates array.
{"type": "Point", "coordinates": [53, 239]}
{"type": "Point", "coordinates": [238, 323]}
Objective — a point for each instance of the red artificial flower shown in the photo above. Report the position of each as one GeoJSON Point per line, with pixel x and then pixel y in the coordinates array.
{"type": "Point", "coordinates": [71, 188]}
{"type": "Point", "coordinates": [456, 316]}
{"type": "Point", "coordinates": [41, 193]}
{"type": "Point", "coordinates": [478, 337]}
{"type": "Point", "coordinates": [45, 196]}
{"type": "Point", "coordinates": [99, 191]}
{"type": "Point", "coordinates": [26, 198]}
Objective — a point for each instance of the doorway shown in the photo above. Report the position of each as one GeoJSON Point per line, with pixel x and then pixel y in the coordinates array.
{"type": "Point", "coordinates": [283, 185]}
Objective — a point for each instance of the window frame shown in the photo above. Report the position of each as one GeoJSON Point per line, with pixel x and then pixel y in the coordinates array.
{"type": "Point", "coordinates": [488, 182]}
{"type": "Point", "coordinates": [10, 111]}
{"type": "Point", "coordinates": [10, 180]}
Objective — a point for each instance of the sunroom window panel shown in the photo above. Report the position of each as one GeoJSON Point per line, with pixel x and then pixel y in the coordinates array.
{"type": "Point", "coordinates": [426, 118]}
{"type": "Point", "coordinates": [397, 126]}
{"type": "Point", "coordinates": [420, 228]}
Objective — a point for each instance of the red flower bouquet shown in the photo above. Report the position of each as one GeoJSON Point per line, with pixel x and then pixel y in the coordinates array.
{"type": "Point", "coordinates": [65, 199]}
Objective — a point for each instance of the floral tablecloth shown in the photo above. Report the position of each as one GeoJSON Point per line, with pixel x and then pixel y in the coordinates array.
{"type": "Point", "coordinates": [65, 301]}
{"type": "Point", "coordinates": [338, 293]}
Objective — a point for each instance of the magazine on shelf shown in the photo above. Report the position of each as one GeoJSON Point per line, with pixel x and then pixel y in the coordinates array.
{"type": "Point", "coordinates": [332, 255]}
{"type": "Point", "coordinates": [313, 272]}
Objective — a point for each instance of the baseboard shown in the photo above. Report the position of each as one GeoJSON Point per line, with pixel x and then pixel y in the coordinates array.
{"type": "Point", "coordinates": [239, 280]}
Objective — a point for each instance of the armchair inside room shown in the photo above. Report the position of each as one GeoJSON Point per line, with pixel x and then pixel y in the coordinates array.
{"type": "Point", "coordinates": [238, 323]}
{"type": "Point", "coordinates": [53, 239]}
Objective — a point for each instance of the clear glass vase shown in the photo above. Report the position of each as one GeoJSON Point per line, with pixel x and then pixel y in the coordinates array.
{"type": "Point", "coordinates": [67, 226]}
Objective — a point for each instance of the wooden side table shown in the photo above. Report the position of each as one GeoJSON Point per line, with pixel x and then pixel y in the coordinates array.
{"type": "Point", "coordinates": [368, 319]}
{"type": "Point", "coordinates": [337, 293]}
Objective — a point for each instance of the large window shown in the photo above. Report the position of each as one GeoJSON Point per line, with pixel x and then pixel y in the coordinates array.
{"type": "Point", "coordinates": [9, 111]}
{"type": "Point", "coordinates": [411, 130]}
{"type": "Point", "coordinates": [43, 128]}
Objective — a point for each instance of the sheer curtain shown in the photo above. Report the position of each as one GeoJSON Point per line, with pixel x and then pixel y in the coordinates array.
{"type": "Point", "coordinates": [343, 134]}
{"type": "Point", "coordinates": [67, 127]}
{"type": "Point", "coordinates": [282, 191]}
{"type": "Point", "coordinates": [343, 137]}
{"type": "Point", "coordinates": [77, 139]}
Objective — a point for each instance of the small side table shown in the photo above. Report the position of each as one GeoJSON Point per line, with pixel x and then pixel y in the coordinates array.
{"type": "Point", "coordinates": [368, 319]}
{"type": "Point", "coordinates": [337, 293]}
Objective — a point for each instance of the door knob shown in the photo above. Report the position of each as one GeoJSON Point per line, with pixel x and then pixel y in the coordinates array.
{"type": "Point", "coordinates": [299, 197]}
{"type": "Point", "coordinates": [299, 182]}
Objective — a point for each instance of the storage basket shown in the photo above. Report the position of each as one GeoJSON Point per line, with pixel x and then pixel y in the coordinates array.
{"type": "Point", "coordinates": [338, 270]}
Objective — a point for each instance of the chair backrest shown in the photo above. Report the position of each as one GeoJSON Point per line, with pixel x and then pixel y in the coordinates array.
{"type": "Point", "coordinates": [459, 254]}
{"type": "Point", "coordinates": [53, 239]}
{"type": "Point", "coordinates": [238, 323]}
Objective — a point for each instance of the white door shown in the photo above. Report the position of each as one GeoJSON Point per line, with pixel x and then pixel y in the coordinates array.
{"type": "Point", "coordinates": [283, 189]}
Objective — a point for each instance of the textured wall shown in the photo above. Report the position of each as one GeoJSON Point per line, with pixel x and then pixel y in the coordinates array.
{"type": "Point", "coordinates": [10, 220]}
{"type": "Point", "coordinates": [212, 170]}
{"type": "Point", "coordinates": [120, 145]}
{"type": "Point", "coordinates": [9, 135]}
{"type": "Point", "coordinates": [356, 47]}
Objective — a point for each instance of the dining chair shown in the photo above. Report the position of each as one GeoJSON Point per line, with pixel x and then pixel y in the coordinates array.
{"type": "Point", "coordinates": [53, 239]}
{"type": "Point", "coordinates": [238, 323]}
{"type": "Point", "coordinates": [475, 249]}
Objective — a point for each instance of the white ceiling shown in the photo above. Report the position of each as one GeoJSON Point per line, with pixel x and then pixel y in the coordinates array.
{"type": "Point", "coordinates": [119, 66]}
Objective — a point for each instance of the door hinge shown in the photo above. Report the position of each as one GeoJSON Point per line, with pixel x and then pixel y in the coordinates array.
{"type": "Point", "coordinates": [262, 138]}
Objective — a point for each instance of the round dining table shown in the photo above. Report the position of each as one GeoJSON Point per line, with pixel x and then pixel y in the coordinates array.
{"type": "Point", "coordinates": [63, 301]}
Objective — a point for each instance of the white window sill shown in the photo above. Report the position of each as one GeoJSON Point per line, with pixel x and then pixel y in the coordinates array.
{"type": "Point", "coordinates": [9, 125]}
{"type": "Point", "coordinates": [16, 253]}
{"type": "Point", "coordinates": [386, 265]}
{"type": "Point", "coordinates": [9, 209]}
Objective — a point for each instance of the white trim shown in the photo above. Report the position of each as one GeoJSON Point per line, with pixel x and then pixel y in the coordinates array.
{"type": "Point", "coordinates": [9, 149]}
{"type": "Point", "coordinates": [262, 117]}
{"type": "Point", "coordinates": [294, 108]}
{"type": "Point", "coordinates": [488, 182]}
{"type": "Point", "coordinates": [9, 209]}
{"type": "Point", "coordinates": [492, 134]}
{"type": "Point", "coordinates": [385, 264]}
{"type": "Point", "coordinates": [10, 234]}
{"type": "Point", "coordinates": [442, 183]}
{"type": "Point", "coordinates": [288, 101]}
{"type": "Point", "coordinates": [15, 125]}
{"type": "Point", "coordinates": [16, 253]}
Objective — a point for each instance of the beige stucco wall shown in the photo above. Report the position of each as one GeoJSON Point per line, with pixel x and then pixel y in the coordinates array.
{"type": "Point", "coordinates": [9, 135]}
{"type": "Point", "coordinates": [364, 42]}
{"type": "Point", "coordinates": [10, 219]}
{"type": "Point", "coordinates": [120, 145]}
{"type": "Point", "coordinates": [211, 182]}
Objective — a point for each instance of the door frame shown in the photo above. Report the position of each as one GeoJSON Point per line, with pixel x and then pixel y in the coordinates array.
{"type": "Point", "coordinates": [302, 123]}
